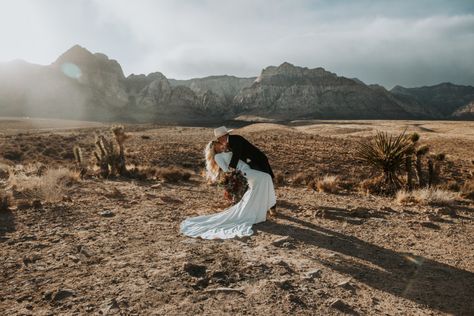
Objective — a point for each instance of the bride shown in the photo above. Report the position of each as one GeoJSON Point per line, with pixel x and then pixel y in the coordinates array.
{"type": "Point", "coordinates": [237, 220]}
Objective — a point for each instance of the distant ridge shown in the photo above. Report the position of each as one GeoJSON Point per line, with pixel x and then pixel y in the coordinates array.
{"type": "Point", "coordinates": [84, 85]}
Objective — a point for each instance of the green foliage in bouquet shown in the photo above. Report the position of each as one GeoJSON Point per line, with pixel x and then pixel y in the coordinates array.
{"type": "Point", "coordinates": [235, 185]}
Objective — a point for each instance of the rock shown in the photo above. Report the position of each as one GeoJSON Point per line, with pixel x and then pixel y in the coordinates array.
{"type": "Point", "coordinates": [110, 305]}
{"type": "Point", "coordinates": [430, 225]}
{"type": "Point", "coordinates": [37, 204]}
{"type": "Point", "coordinates": [360, 212]}
{"type": "Point", "coordinates": [61, 294]}
{"type": "Point", "coordinates": [294, 299]}
{"type": "Point", "coordinates": [284, 284]}
{"type": "Point", "coordinates": [446, 211]}
{"type": "Point", "coordinates": [83, 250]}
{"type": "Point", "coordinates": [292, 92]}
{"type": "Point", "coordinates": [316, 273]}
{"type": "Point", "coordinates": [340, 305]}
{"type": "Point", "coordinates": [106, 213]}
{"type": "Point", "coordinates": [345, 284]}
{"type": "Point", "coordinates": [284, 242]}
{"type": "Point", "coordinates": [32, 258]}
{"type": "Point", "coordinates": [194, 270]}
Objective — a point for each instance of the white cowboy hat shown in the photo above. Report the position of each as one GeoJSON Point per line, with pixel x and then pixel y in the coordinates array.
{"type": "Point", "coordinates": [221, 131]}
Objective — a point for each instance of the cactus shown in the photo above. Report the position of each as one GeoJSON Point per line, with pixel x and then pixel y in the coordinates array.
{"type": "Point", "coordinates": [419, 153]}
{"type": "Point", "coordinates": [80, 160]}
{"type": "Point", "coordinates": [111, 157]}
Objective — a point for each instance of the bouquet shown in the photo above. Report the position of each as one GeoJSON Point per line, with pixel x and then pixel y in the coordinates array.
{"type": "Point", "coordinates": [235, 186]}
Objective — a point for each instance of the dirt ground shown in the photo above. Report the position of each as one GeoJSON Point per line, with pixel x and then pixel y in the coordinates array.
{"type": "Point", "coordinates": [113, 246]}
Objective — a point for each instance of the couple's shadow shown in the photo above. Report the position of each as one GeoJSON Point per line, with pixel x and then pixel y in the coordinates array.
{"type": "Point", "coordinates": [427, 282]}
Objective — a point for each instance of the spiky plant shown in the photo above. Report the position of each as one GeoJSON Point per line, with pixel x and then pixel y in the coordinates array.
{"type": "Point", "coordinates": [102, 155]}
{"type": "Point", "coordinates": [419, 153]}
{"type": "Point", "coordinates": [110, 155]}
{"type": "Point", "coordinates": [387, 153]}
{"type": "Point", "coordinates": [80, 160]}
{"type": "Point", "coordinates": [434, 163]}
{"type": "Point", "coordinates": [414, 137]}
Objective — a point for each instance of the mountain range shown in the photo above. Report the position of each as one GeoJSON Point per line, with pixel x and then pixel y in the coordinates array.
{"type": "Point", "coordinates": [85, 85]}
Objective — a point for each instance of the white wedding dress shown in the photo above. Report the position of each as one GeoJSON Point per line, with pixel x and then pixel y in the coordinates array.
{"type": "Point", "coordinates": [237, 220]}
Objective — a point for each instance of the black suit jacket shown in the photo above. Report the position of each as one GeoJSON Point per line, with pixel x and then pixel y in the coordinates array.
{"type": "Point", "coordinates": [242, 149]}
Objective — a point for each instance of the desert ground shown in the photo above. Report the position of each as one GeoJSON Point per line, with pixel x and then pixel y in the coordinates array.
{"type": "Point", "coordinates": [112, 246]}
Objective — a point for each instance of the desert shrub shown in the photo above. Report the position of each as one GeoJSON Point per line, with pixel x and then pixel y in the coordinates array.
{"type": "Point", "coordinates": [328, 184]}
{"type": "Point", "coordinates": [467, 190]}
{"type": "Point", "coordinates": [372, 185]}
{"type": "Point", "coordinates": [173, 174]}
{"type": "Point", "coordinates": [404, 197]}
{"type": "Point", "coordinates": [6, 200]}
{"type": "Point", "coordinates": [49, 187]}
{"type": "Point", "coordinates": [4, 173]}
{"type": "Point", "coordinates": [279, 179]}
{"type": "Point", "coordinates": [141, 172]}
{"type": "Point", "coordinates": [387, 154]}
{"type": "Point", "coordinates": [427, 196]}
{"type": "Point", "coordinates": [14, 155]}
{"type": "Point", "coordinates": [302, 179]}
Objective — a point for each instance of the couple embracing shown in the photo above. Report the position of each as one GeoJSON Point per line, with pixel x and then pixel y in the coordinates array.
{"type": "Point", "coordinates": [224, 153]}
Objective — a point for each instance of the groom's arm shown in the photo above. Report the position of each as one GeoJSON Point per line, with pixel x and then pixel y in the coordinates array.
{"type": "Point", "coordinates": [236, 153]}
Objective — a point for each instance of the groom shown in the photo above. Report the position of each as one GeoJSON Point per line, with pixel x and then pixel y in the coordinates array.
{"type": "Point", "coordinates": [243, 150]}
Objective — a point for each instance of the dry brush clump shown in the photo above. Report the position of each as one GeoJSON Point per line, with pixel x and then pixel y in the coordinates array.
{"type": "Point", "coordinates": [302, 178]}
{"type": "Point", "coordinates": [50, 185]}
{"type": "Point", "coordinates": [467, 189]}
{"type": "Point", "coordinates": [171, 174]}
{"type": "Point", "coordinates": [426, 196]}
{"type": "Point", "coordinates": [279, 179]}
{"type": "Point", "coordinates": [327, 184]}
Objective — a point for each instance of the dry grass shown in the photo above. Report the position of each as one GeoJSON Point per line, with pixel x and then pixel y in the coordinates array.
{"type": "Point", "coordinates": [279, 179]}
{"type": "Point", "coordinates": [173, 174]}
{"type": "Point", "coordinates": [50, 186]}
{"type": "Point", "coordinates": [426, 196]}
{"type": "Point", "coordinates": [329, 184]}
{"type": "Point", "coordinates": [6, 200]}
{"type": "Point", "coordinates": [371, 185]}
{"type": "Point", "coordinates": [467, 190]}
{"type": "Point", "coordinates": [301, 179]}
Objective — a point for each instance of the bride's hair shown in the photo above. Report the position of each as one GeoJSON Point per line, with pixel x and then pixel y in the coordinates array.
{"type": "Point", "coordinates": [212, 168]}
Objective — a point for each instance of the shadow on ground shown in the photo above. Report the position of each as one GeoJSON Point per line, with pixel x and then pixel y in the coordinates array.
{"type": "Point", "coordinates": [7, 223]}
{"type": "Point", "coordinates": [422, 280]}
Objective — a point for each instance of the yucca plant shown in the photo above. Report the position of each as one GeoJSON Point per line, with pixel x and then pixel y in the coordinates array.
{"type": "Point", "coordinates": [387, 153]}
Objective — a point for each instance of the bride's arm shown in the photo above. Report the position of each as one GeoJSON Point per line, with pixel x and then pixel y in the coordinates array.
{"type": "Point", "coordinates": [221, 162]}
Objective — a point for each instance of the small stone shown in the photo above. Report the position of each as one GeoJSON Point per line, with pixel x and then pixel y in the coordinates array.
{"type": "Point", "coordinates": [446, 211]}
{"type": "Point", "coordinates": [106, 213]}
{"type": "Point", "coordinates": [111, 304]}
{"type": "Point", "coordinates": [37, 204]}
{"type": "Point", "coordinates": [284, 242]}
{"type": "Point", "coordinates": [31, 258]}
{"type": "Point", "coordinates": [430, 225]}
{"type": "Point", "coordinates": [194, 270]}
{"type": "Point", "coordinates": [340, 305]}
{"type": "Point", "coordinates": [316, 273]}
{"type": "Point", "coordinates": [62, 294]}
{"type": "Point", "coordinates": [346, 285]}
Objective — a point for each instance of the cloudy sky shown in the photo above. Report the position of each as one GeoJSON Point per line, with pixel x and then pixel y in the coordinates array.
{"type": "Point", "coordinates": [411, 43]}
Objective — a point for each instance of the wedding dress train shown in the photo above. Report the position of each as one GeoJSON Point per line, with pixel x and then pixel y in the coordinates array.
{"type": "Point", "coordinates": [237, 220]}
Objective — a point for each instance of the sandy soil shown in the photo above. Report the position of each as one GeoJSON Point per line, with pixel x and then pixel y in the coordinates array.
{"type": "Point", "coordinates": [324, 254]}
